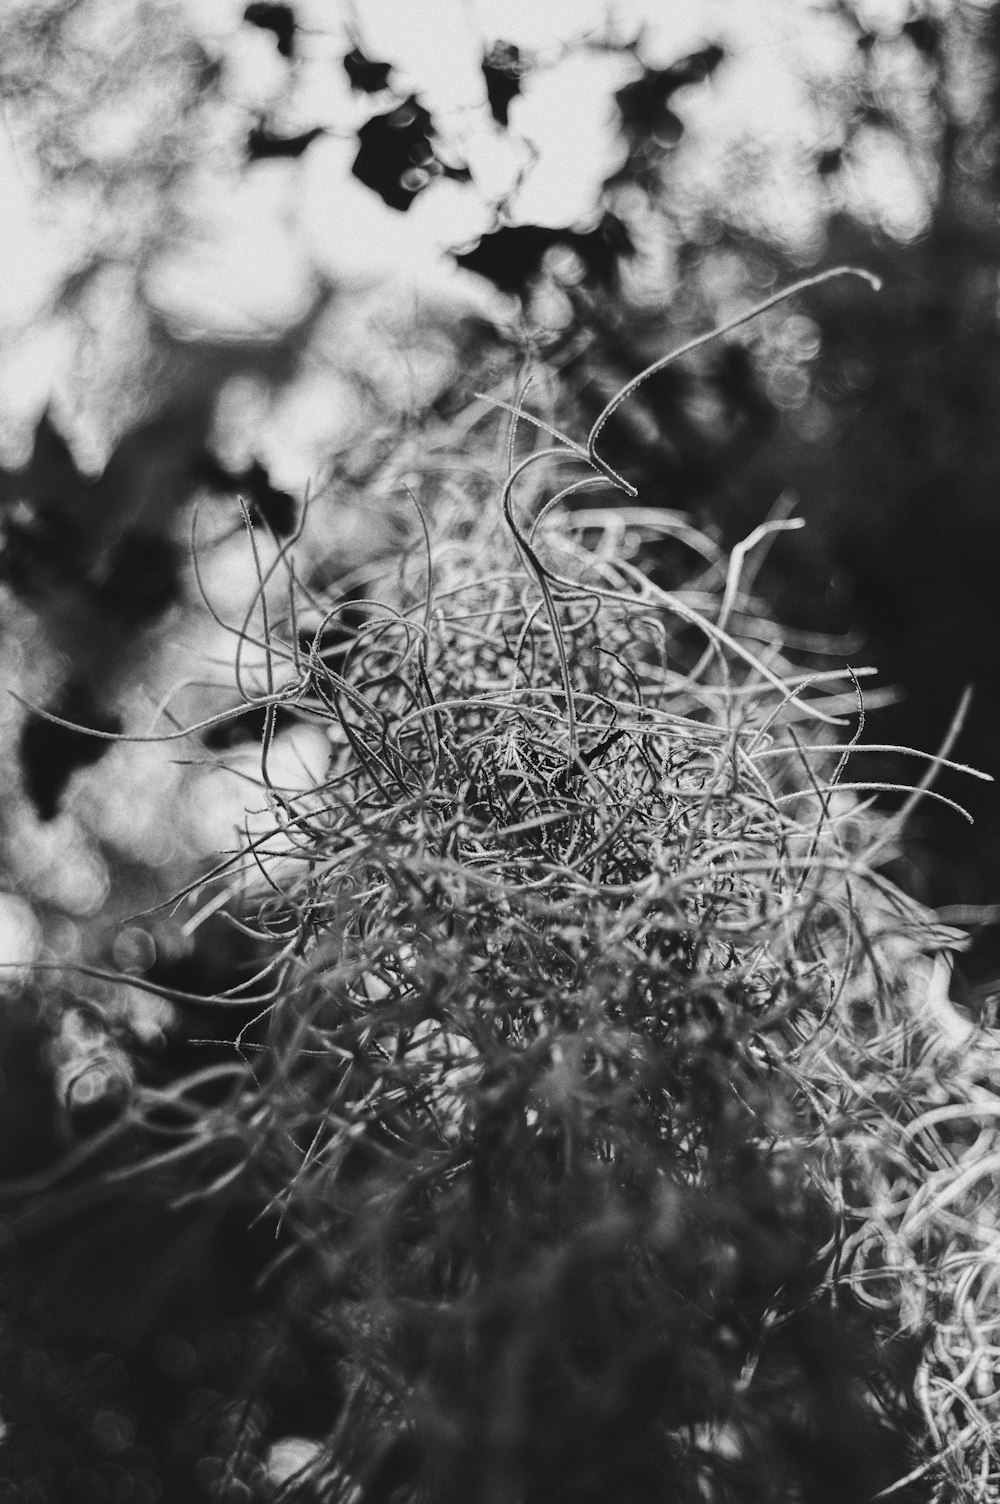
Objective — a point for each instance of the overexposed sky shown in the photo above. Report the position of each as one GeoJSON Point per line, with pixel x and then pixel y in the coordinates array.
{"type": "Point", "coordinates": [285, 214]}
{"type": "Point", "coordinates": [291, 216]}
{"type": "Point", "coordinates": [258, 238]}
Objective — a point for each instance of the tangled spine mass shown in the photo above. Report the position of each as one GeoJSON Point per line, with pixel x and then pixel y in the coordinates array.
{"type": "Point", "coordinates": [577, 889]}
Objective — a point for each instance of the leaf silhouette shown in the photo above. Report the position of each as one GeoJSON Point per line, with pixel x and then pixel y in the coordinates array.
{"type": "Point", "coordinates": [876, 115]}
{"type": "Point", "coordinates": [642, 103]}
{"type": "Point", "coordinates": [49, 447]}
{"type": "Point", "coordinates": [42, 540]}
{"type": "Point", "coordinates": [396, 157]}
{"type": "Point", "coordinates": [366, 77]}
{"type": "Point", "coordinates": [142, 579]}
{"type": "Point", "coordinates": [52, 526]}
{"type": "Point", "coordinates": [279, 19]}
{"type": "Point", "coordinates": [41, 549]}
{"type": "Point", "coordinates": [265, 502]}
{"type": "Point", "coordinates": [263, 144]}
{"type": "Point", "coordinates": [511, 257]}
{"type": "Point", "coordinates": [457, 174]}
{"type": "Point", "coordinates": [649, 124]}
{"type": "Point", "coordinates": [50, 471]}
{"type": "Point", "coordinates": [49, 755]}
{"type": "Point", "coordinates": [602, 248]}
{"type": "Point", "coordinates": [924, 33]}
{"type": "Point", "coordinates": [503, 71]}
{"type": "Point", "coordinates": [248, 728]}
{"type": "Point", "coordinates": [208, 72]}
{"type": "Point", "coordinates": [93, 555]}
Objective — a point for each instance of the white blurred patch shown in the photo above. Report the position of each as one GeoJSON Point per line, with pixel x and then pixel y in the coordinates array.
{"type": "Point", "coordinates": [358, 241]}
{"type": "Point", "coordinates": [567, 113]}
{"type": "Point", "coordinates": [883, 15]}
{"type": "Point", "coordinates": [241, 270]}
{"type": "Point", "coordinates": [531, 24]}
{"type": "Point", "coordinates": [20, 933]}
{"type": "Point", "coordinates": [313, 418]}
{"type": "Point", "coordinates": [130, 797]}
{"type": "Point", "coordinates": [56, 863]}
{"type": "Point", "coordinates": [431, 44]}
{"type": "Point", "coordinates": [289, 1456]}
{"type": "Point", "coordinates": [29, 264]}
{"type": "Point", "coordinates": [228, 804]}
{"type": "Point", "coordinates": [31, 365]}
{"type": "Point", "coordinates": [886, 186]}
{"type": "Point", "coordinates": [256, 75]}
{"type": "Point", "coordinates": [673, 31]}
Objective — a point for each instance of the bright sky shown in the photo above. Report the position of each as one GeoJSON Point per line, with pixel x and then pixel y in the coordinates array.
{"type": "Point", "coordinates": [262, 238]}
{"type": "Point", "coordinates": [288, 215]}
{"type": "Point", "coordinates": [315, 210]}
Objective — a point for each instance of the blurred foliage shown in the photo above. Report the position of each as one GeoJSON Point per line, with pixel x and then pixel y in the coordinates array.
{"type": "Point", "coordinates": [110, 101]}
{"type": "Point", "coordinates": [898, 479]}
